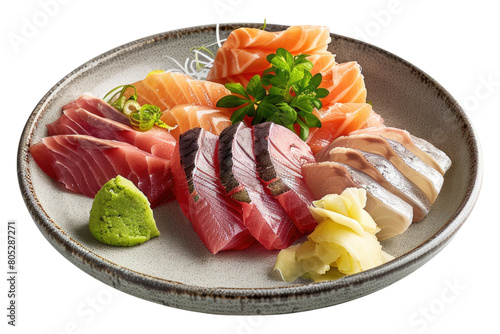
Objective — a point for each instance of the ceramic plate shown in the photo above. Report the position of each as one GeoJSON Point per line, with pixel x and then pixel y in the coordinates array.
{"type": "Point", "coordinates": [175, 269]}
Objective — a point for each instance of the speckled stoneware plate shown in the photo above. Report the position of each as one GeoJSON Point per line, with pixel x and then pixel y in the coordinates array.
{"type": "Point", "coordinates": [175, 269]}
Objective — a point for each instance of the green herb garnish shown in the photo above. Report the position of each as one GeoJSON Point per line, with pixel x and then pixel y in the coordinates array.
{"type": "Point", "coordinates": [142, 117]}
{"type": "Point", "coordinates": [290, 99]}
{"type": "Point", "coordinates": [264, 25]}
{"type": "Point", "coordinates": [116, 96]}
{"type": "Point", "coordinates": [148, 116]}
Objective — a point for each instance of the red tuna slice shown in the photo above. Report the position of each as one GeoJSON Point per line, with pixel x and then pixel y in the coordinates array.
{"type": "Point", "coordinates": [84, 163]}
{"type": "Point", "coordinates": [98, 107]}
{"type": "Point", "coordinates": [263, 215]}
{"type": "Point", "coordinates": [216, 218]}
{"type": "Point", "coordinates": [280, 154]}
{"type": "Point", "coordinates": [158, 142]}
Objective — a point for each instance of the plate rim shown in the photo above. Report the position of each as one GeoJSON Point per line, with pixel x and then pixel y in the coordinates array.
{"type": "Point", "coordinates": [124, 278]}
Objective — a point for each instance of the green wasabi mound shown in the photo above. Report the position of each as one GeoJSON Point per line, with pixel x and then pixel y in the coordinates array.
{"type": "Point", "coordinates": [121, 214]}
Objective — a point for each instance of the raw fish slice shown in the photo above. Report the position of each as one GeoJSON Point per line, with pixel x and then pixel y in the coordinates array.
{"type": "Point", "coordinates": [280, 155]}
{"type": "Point", "coordinates": [338, 120]}
{"type": "Point", "coordinates": [387, 175]}
{"type": "Point", "coordinates": [166, 90]}
{"type": "Point", "coordinates": [84, 163]}
{"type": "Point", "coordinates": [439, 156]}
{"type": "Point", "coordinates": [392, 214]}
{"type": "Point", "coordinates": [244, 51]}
{"type": "Point", "coordinates": [156, 141]}
{"type": "Point", "coordinates": [216, 217]}
{"type": "Point", "coordinates": [421, 148]}
{"type": "Point", "coordinates": [239, 63]}
{"type": "Point", "coordinates": [422, 175]}
{"type": "Point", "coordinates": [421, 167]}
{"type": "Point", "coordinates": [264, 217]}
{"type": "Point", "coordinates": [98, 107]}
{"type": "Point", "coordinates": [323, 61]}
{"type": "Point", "coordinates": [296, 39]}
{"type": "Point", "coordinates": [374, 121]}
{"type": "Point", "coordinates": [345, 83]}
{"type": "Point", "coordinates": [188, 116]}
{"type": "Point", "coordinates": [64, 167]}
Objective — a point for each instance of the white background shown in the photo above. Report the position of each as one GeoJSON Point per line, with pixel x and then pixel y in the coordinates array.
{"type": "Point", "coordinates": [455, 42]}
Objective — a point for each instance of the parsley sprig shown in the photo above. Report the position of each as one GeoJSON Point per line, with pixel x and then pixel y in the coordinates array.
{"type": "Point", "coordinates": [292, 94]}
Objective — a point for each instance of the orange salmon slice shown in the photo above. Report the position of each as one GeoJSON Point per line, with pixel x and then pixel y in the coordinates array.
{"type": "Point", "coordinates": [169, 89]}
{"type": "Point", "coordinates": [190, 116]}
{"type": "Point", "coordinates": [341, 119]}
{"type": "Point", "coordinates": [345, 83]}
{"type": "Point", "coordinates": [244, 52]}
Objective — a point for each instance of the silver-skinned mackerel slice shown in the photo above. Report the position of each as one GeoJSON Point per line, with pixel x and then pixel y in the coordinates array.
{"type": "Point", "coordinates": [427, 152]}
{"type": "Point", "coordinates": [439, 156]}
{"type": "Point", "coordinates": [391, 213]}
{"type": "Point", "coordinates": [386, 174]}
{"type": "Point", "coordinates": [422, 175]}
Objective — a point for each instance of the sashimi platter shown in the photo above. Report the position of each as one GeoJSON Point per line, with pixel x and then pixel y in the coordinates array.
{"type": "Point", "coordinates": [249, 169]}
